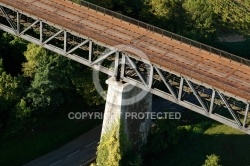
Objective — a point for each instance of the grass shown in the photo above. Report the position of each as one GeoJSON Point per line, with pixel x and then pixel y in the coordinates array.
{"type": "Point", "coordinates": [204, 138]}
{"type": "Point", "coordinates": [54, 132]}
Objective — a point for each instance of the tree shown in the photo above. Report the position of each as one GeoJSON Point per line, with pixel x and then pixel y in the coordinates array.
{"type": "Point", "coordinates": [202, 19]}
{"type": "Point", "coordinates": [1, 66]}
{"type": "Point", "coordinates": [11, 88]}
{"type": "Point", "coordinates": [51, 79]}
{"type": "Point", "coordinates": [212, 160]}
{"type": "Point", "coordinates": [56, 80]}
{"type": "Point", "coordinates": [11, 51]}
{"type": "Point", "coordinates": [216, 16]}
{"type": "Point", "coordinates": [34, 56]}
{"type": "Point", "coordinates": [83, 82]}
{"type": "Point", "coordinates": [163, 134]}
{"type": "Point", "coordinates": [160, 8]}
{"type": "Point", "coordinates": [199, 19]}
{"type": "Point", "coordinates": [170, 13]}
{"type": "Point", "coordinates": [231, 15]}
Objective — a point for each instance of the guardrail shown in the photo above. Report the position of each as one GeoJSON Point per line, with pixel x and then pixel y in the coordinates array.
{"type": "Point", "coordinates": [166, 33]}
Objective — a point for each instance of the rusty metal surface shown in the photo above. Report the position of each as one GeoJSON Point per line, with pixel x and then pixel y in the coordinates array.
{"type": "Point", "coordinates": [201, 65]}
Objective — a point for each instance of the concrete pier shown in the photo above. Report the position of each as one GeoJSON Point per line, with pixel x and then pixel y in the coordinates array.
{"type": "Point", "coordinates": [123, 99]}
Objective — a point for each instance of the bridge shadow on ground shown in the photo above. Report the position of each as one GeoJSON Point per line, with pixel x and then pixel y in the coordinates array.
{"type": "Point", "coordinates": [206, 138]}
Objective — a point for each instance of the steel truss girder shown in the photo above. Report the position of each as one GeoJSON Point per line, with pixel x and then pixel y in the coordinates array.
{"type": "Point", "coordinates": [166, 83]}
{"type": "Point", "coordinates": [121, 61]}
{"type": "Point", "coordinates": [52, 37]}
{"type": "Point", "coordinates": [246, 115]}
{"type": "Point", "coordinates": [180, 89]}
{"type": "Point", "coordinates": [8, 19]}
{"type": "Point", "coordinates": [133, 65]}
{"type": "Point", "coordinates": [196, 95]}
{"type": "Point", "coordinates": [229, 108]}
{"type": "Point", "coordinates": [103, 57]}
{"type": "Point", "coordinates": [29, 27]}
{"type": "Point", "coordinates": [76, 47]}
{"type": "Point", "coordinates": [151, 76]}
{"type": "Point", "coordinates": [211, 108]}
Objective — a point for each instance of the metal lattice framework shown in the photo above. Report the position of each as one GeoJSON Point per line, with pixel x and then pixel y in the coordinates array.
{"type": "Point", "coordinates": [114, 61]}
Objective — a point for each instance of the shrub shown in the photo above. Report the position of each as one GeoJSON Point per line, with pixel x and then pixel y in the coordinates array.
{"type": "Point", "coordinates": [212, 160]}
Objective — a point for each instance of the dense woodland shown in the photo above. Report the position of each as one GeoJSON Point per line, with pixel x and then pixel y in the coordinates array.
{"type": "Point", "coordinates": [196, 19]}
{"type": "Point", "coordinates": [35, 82]}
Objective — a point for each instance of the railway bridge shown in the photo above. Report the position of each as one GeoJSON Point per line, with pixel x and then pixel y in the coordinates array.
{"type": "Point", "coordinates": [201, 78]}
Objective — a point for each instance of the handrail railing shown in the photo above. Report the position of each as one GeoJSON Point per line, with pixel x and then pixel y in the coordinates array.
{"type": "Point", "coordinates": [171, 35]}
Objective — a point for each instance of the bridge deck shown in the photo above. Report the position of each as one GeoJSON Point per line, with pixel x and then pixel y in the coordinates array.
{"type": "Point", "coordinates": [161, 50]}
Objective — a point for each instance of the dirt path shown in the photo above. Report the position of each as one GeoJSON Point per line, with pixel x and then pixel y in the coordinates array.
{"type": "Point", "coordinates": [231, 38]}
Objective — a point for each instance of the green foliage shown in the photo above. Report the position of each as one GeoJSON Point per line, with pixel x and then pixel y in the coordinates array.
{"type": "Point", "coordinates": [116, 150]}
{"type": "Point", "coordinates": [104, 3]}
{"type": "Point", "coordinates": [1, 66]}
{"type": "Point", "coordinates": [11, 89]}
{"type": "Point", "coordinates": [216, 16]}
{"type": "Point", "coordinates": [47, 134]}
{"type": "Point", "coordinates": [212, 160]}
{"type": "Point", "coordinates": [163, 134]}
{"type": "Point", "coordinates": [132, 158]}
{"type": "Point", "coordinates": [170, 14]}
{"type": "Point", "coordinates": [74, 77]}
{"type": "Point", "coordinates": [231, 15]}
{"type": "Point", "coordinates": [201, 16]}
{"type": "Point", "coordinates": [83, 82]}
{"type": "Point", "coordinates": [34, 56]}
{"type": "Point", "coordinates": [54, 80]}
{"type": "Point", "coordinates": [11, 51]}
{"type": "Point", "coordinates": [50, 75]}
{"type": "Point", "coordinates": [199, 19]}
{"type": "Point", "coordinates": [109, 151]}
{"type": "Point", "coordinates": [53, 77]}
{"type": "Point", "coordinates": [205, 136]}
{"type": "Point", "coordinates": [159, 8]}
{"type": "Point", "coordinates": [48, 81]}
{"type": "Point", "coordinates": [12, 85]}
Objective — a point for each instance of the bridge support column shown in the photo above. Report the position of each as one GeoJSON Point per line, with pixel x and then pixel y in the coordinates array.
{"type": "Point", "coordinates": [123, 109]}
